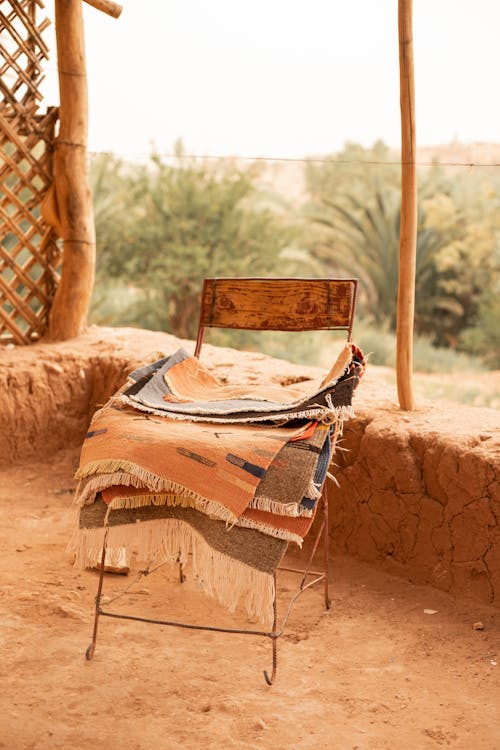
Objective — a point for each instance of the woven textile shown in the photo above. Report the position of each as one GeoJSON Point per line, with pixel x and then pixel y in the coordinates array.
{"type": "Point", "coordinates": [165, 387]}
{"type": "Point", "coordinates": [216, 469]}
{"type": "Point", "coordinates": [207, 484]}
{"type": "Point", "coordinates": [233, 567]}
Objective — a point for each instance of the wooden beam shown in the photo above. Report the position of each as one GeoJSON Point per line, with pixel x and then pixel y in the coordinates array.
{"type": "Point", "coordinates": [107, 6]}
{"type": "Point", "coordinates": [408, 229]}
{"type": "Point", "coordinates": [72, 200]}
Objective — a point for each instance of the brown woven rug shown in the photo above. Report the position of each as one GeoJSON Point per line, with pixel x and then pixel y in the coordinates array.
{"type": "Point", "coordinates": [232, 564]}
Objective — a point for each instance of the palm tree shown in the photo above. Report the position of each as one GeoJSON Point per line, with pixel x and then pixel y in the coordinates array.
{"type": "Point", "coordinates": [362, 238]}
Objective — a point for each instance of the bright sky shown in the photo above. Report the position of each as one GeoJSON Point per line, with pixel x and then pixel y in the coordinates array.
{"type": "Point", "coordinates": [284, 78]}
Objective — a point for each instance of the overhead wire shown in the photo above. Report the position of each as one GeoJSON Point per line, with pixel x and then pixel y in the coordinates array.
{"type": "Point", "coordinates": [299, 160]}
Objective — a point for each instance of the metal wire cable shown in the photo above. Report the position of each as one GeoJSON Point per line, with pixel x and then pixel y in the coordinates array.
{"type": "Point", "coordinates": [301, 160]}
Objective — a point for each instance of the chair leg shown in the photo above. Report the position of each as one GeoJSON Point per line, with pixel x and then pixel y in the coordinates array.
{"type": "Point", "coordinates": [89, 653]}
{"type": "Point", "coordinates": [326, 541]}
{"type": "Point", "coordinates": [271, 679]}
{"type": "Point", "coordinates": [312, 554]}
{"type": "Point", "coordinates": [182, 576]}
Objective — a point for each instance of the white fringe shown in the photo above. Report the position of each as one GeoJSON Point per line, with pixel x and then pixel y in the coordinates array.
{"type": "Point", "coordinates": [287, 536]}
{"type": "Point", "coordinates": [313, 492]}
{"type": "Point", "coordinates": [185, 497]}
{"type": "Point", "coordinates": [325, 414]}
{"type": "Point", "coordinates": [336, 415]}
{"type": "Point", "coordinates": [333, 478]}
{"type": "Point", "coordinates": [89, 488]}
{"type": "Point", "coordinates": [292, 510]}
{"type": "Point", "coordinates": [142, 501]}
{"type": "Point", "coordinates": [171, 540]}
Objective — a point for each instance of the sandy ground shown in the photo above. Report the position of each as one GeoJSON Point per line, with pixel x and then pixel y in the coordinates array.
{"type": "Point", "coordinates": [376, 671]}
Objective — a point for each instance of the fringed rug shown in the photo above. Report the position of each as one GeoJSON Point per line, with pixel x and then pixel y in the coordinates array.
{"type": "Point", "coordinates": [234, 567]}
{"type": "Point", "coordinates": [182, 466]}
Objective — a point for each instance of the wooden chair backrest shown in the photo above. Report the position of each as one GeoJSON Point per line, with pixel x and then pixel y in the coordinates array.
{"type": "Point", "coordinates": [278, 304]}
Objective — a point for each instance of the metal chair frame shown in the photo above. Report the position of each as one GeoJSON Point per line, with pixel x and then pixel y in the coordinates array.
{"type": "Point", "coordinates": [209, 291]}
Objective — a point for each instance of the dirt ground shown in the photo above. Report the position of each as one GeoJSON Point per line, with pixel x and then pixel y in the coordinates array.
{"type": "Point", "coordinates": [374, 672]}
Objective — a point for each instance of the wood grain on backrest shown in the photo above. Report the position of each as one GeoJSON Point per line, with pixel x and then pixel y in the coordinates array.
{"type": "Point", "coordinates": [277, 304]}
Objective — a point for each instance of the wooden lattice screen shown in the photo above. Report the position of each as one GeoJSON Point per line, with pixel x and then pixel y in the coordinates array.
{"type": "Point", "coordinates": [30, 258]}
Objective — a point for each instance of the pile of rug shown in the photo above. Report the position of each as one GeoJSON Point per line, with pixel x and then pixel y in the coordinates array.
{"type": "Point", "coordinates": [184, 468]}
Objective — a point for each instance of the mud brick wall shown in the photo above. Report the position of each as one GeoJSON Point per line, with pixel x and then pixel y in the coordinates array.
{"type": "Point", "coordinates": [420, 496]}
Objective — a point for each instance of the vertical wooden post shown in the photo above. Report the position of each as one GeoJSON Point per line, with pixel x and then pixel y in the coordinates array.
{"type": "Point", "coordinates": [408, 230]}
{"type": "Point", "coordinates": [71, 198]}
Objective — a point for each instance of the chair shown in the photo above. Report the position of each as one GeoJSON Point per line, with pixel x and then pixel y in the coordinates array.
{"type": "Point", "coordinates": [272, 304]}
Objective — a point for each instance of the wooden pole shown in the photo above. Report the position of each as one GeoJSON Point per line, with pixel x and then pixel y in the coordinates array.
{"type": "Point", "coordinates": [408, 229]}
{"type": "Point", "coordinates": [107, 6]}
{"type": "Point", "coordinates": [70, 199]}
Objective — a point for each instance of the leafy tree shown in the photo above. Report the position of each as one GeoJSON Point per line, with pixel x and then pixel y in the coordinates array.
{"type": "Point", "coordinates": [366, 238]}
{"type": "Point", "coordinates": [179, 223]}
{"type": "Point", "coordinates": [483, 337]}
